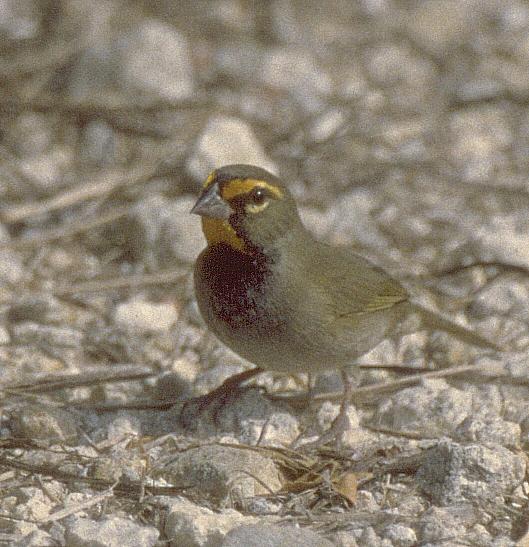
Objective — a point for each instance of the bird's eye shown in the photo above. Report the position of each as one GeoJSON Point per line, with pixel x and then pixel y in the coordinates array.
{"type": "Point", "coordinates": [258, 196]}
{"type": "Point", "coordinates": [258, 201]}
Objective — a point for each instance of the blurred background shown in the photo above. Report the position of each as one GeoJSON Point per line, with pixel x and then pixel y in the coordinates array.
{"type": "Point", "coordinates": [401, 126]}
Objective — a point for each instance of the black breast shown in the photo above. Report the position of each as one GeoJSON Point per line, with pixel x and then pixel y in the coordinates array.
{"type": "Point", "coordinates": [232, 289]}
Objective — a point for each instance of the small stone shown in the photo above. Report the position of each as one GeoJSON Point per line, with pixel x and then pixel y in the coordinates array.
{"type": "Point", "coordinates": [262, 506]}
{"type": "Point", "coordinates": [439, 24]}
{"type": "Point", "coordinates": [296, 71]}
{"type": "Point", "coordinates": [411, 506]}
{"type": "Point", "coordinates": [48, 169]}
{"type": "Point", "coordinates": [195, 526]}
{"type": "Point", "coordinates": [344, 539]}
{"type": "Point", "coordinates": [400, 536]}
{"type": "Point", "coordinates": [122, 426]}
{"type": "Point", "coordinates": [11, 267]}
{"type": "Point", "coordinates": [437, 524]}
{"type": "Point", "coordinates": [31, 133]}
{"type": "Point", "coordinates": [278, 429]}
{"type": "Point", "coordinates": [226, 140]}
{"type": "Point", "coordinates": [161, 231]}
{"type": "Point", "coordinates": [478, 535]}
{"type": "Point", "coordinates": [145, 317]}
{"type": "Point", "coordinates": [123, 465]}
{"type": "Point", "coordinates": [402, 69]}
{"type": "Point", "coordinates": [479, 141]}
{"type": "Point", "coordinates": [501, 238]}
{"type": "Point", "coordinates": [430, 410]}
{"type": "Point", "coordinates": [369, 538]}
{"type": "Point", "coordinates": [19, 19]}
{"type": "Point", "coordinates": [5, 337]}
{"type": "Point", "coordinates": [44, 423]}
{"type": "Point", "coordinates": [220, 471]}
{"type": "Point", "coordinates": [109, 532]}
{"type": "Point", "coordinates": [259, 535]}
{"type": "Point", "coordinates": [181, 237]}
{"type": "Point", "coordinates": [453, 473]}
{"type": "Point", "coordinates": [366, 502]}
{"type": "Point", "coordinates": [156, 61]}
{"type": "Point", "coordinates": [37, 538]}
{"type": "Point", "coordinates": [246, 414]}
{"type": "Point", "coordinates": [99, 143]}
{"type": "Point", "coordinates": [489, 431]}
{"type": "Point", "coordinates": [47, 335]}
{"type": "Point", "coordinates": [33, 504]}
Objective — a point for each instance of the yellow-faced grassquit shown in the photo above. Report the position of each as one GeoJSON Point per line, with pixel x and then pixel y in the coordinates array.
{"type": "Point", "coordinates": [281, 299]}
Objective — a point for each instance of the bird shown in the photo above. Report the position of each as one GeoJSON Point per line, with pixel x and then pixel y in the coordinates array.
{"type": "Point", "coordinates": [282, 299]}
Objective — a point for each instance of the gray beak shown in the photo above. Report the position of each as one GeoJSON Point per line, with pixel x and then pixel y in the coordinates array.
{"type": "Point", "coordinates": [210, 204]}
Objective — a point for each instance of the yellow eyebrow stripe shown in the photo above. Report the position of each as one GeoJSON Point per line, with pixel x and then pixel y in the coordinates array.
{"type": "Point", "coordinates": [237, 187]}
{"type": "Point", "coordinates": [210, 179]}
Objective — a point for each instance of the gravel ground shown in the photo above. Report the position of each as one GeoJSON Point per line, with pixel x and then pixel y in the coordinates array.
{"type": "Point", "coordinates": [402, 127]}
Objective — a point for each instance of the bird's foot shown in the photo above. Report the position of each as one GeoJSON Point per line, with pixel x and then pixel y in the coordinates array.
{"type": "Point", "coordinates": [334, 435]}
{"type": "Point", "coordinates": [215, 400]}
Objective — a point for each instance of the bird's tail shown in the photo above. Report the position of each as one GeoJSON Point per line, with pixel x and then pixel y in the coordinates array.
{"type": "Point", "coordinates": [435, 321]}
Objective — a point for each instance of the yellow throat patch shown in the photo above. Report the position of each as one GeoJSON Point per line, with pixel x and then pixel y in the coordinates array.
{"type": "Point", "coordinates": [219, 231]}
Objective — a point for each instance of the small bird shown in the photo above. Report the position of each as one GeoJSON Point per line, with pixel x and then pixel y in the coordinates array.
{"type": "Point", "coordinates": [280, 298]}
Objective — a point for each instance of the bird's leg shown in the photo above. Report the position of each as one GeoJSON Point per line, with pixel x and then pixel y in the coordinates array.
{"type": "Point", "coordinates": [341, 423]}
{"type": "Point", "coordinates": [218, 396]}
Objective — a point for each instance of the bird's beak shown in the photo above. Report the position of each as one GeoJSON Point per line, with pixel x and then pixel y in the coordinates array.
{"type": "Point", "coordinates": [211, 205]}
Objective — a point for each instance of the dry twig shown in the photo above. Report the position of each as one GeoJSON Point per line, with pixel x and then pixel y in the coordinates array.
{"type": "Point", "coordinates": [107, 183]}
{"type": "Point", "coordinates": [88, 377]}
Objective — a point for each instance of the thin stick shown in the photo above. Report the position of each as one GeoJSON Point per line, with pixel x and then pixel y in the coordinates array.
{"type": "Point", "coordinates": [53, 55]}
{"type": "Point", "coordinates": [94, 500]}
{"type": "Point", "coordinates": [159, 278]}
{"type": "Point", "coordinates": [96, 375]}
{"type": "Point", "coordinates": [375, 390]}
{"type": "Point", "coordinates": [107, 107]}
{"type": "Point", "coordinates": [67, 230]}
{"type": "Point", "coordinates": [107, 183]}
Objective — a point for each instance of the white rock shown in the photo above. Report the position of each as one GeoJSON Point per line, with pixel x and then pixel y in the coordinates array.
{"type": "Point", "coordinates": [141, 316]}
{"type": "Point", "coordinates": [296, 71]}
{"type": "Point", "coordinates": [19, 19]}
{"type": "Point", "coordinates": [194, 526]}
{"type": "Point", "coordinates": [109, 532]}
{"type": "Point", "coordinates": [400, 536]}
{"type": "Point", "coordinates": [226, 140]}
{"type": "Point", "coordinates": [35, 504]}
{"type": "Point", "coordinates": [162, 230]}
{"type": "Point", "coordinates": [156, 61]}
{"type": "Point", "coordinates": [5, 337]}
{"type": "Point", "coordinates": [37, 538]}
{"type": "Point", "coordinates": [431, 409]}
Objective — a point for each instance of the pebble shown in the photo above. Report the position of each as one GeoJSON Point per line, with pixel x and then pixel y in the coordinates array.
{"type": "Point", "coordinates": [37, 538]}
{"type": "Point", "coordinates": [109, 532]}
{"type": "Point", "coordinates": [454, 473]}
{"type": "Point", "coordinates": [19, 20]}
{"type": "Point", "coordinates": [400, 536]}
{"type": "Point", "coordinates": [226, 140]}
{"type": "Point", "coordinates": [490, 431]}
{"type": "Point", "coordinates": [195, 526]}
{"type": "Point", "coordinates": [145, 317]}
{"type": "Point", "coordinates": [219, 472]}
{"type": "Point", "coordinates": [258, 535]}
{"type": "Point", "coordinates": [46, 423]}
{"type": "Point", "coordinates": [156, 61]}
{"type": "Point", "coordinates": [430, 410]}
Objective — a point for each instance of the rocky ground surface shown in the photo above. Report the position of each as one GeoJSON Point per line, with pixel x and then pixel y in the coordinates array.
{"type": "Point", "coordinates": [403, 129]}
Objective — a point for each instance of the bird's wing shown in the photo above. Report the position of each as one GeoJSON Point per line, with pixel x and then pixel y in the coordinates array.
{"type": "Point", "coordinates": [355, 285]}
